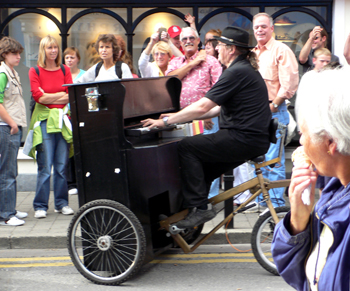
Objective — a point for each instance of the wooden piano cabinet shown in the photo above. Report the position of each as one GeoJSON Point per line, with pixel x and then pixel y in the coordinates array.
{"type": "Point", "coordinates": [140, 172]}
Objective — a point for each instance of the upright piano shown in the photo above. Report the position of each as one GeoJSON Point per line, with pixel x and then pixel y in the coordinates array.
{"type": "Point", "coordinates": [117, 160]}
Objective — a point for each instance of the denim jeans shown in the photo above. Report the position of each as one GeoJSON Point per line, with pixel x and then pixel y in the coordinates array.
{"type": "Point", "coordinates": [9, 145]}
{"type": "Point", "coordinates": [278, 172]}
{"type": "Point", "coordinates": [53, 152]}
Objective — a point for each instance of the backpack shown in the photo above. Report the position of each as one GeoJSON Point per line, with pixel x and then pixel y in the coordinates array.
{"type": "Point", "coordinates": [118, 69]}
{"type": "Point", "coordinates": [32, 101]}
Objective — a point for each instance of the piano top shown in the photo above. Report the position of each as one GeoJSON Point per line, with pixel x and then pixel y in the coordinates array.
{"type": "Point", "coordinates": [145, 97]}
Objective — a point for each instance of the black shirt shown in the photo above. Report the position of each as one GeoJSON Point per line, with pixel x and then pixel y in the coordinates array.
{"type": "Point", "coordinates": [242, 94]}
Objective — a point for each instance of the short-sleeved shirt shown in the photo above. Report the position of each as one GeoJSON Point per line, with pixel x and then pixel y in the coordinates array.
{"type": "Point", "coordinates": [199, 80]}
{"type": "Point", "coordinates": [309, 65]}
{"type": "Point", "coordinates": [242, 94]}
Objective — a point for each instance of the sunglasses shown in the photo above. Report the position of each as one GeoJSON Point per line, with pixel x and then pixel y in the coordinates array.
{"type": "Point", "coordinates": [159, 54]}
{"type": "Point", "coordinates": [191, 38]}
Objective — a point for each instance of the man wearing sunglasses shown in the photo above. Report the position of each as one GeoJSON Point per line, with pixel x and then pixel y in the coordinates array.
{"type": "Point", "coordinates": [317, 39]}
{"type": "Point", "coordinates": [197, 71]}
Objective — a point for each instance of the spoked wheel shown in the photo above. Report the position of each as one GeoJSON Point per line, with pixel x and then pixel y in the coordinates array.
{"type": "Point", "coordinates": [262, 238]}
{"type": "Point", "coordinates": [106, 242]}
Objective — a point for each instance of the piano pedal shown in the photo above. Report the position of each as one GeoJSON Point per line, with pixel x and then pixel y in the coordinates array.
{"type": "Point", "coordinates": [173, 229]}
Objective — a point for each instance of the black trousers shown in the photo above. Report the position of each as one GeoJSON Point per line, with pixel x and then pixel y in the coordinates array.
{"type": "Point", "coordinates": [205, 157]}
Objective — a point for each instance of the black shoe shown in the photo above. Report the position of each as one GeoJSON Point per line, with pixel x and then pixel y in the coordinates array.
{"type": "Point", "coordinates": [196, 217]}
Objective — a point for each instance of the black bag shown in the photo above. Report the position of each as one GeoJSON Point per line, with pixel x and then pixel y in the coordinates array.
{"type": "Point", "coordinates": [118, 69]}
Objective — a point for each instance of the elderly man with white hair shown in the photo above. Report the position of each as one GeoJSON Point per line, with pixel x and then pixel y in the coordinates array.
{"type": "Point", "coordinates": [311, 245]}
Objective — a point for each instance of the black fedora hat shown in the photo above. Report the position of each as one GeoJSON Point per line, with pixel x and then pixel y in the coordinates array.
{"type": "Point", "coordinates": [233, 35]}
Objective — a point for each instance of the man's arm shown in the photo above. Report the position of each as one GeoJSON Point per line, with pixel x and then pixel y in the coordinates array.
{"type": "Point", "coordinates": [183, 71]}
{"type": "Point", "coordinates": [347, 49]}
{"type": "Point", "coordinates": [305, 51]}
{"type": "Point", "coordinates": [288, 75]}
{"type": "Point", "coordinates": [194, 111]}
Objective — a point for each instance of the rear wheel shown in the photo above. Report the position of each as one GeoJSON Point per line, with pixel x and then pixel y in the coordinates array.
{"type": "Point", "coordinates": [262, 238]}
{"type": "Point", "coordinates": [106, 242]}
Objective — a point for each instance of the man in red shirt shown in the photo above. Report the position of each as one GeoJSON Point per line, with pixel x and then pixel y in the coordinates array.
{"type": "Point", "coordinates": [174, 33]}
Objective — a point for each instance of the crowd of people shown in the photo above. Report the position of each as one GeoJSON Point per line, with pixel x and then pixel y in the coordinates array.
{"type": "Point", "coordinates": [235, 89]}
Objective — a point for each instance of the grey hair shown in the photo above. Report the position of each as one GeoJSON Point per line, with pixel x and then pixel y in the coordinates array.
{"type": "Point", "coordinates": [189, 28]}
{"type": "Point", "coordinates": [324, 107]}
{"type": "Point", "coordinates": [264, 14]}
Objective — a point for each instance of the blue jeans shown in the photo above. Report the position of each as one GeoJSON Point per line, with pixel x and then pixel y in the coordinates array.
{"type": "Point", "coordinates": [53, 151]}
{"type": "Point", "coordinates": [9, 145]}
{"type": "Point", "coordinates": [279, 171]}
{"type": "Point", "coordinates": [214, 188]}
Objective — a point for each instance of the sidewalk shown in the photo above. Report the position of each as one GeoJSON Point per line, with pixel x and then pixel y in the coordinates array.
{"type": "Point", "coordinates": [51, 232]}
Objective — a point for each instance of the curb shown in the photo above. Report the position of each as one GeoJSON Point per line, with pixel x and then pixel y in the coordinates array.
{"type": "Point", "coordinates": [60, 242]}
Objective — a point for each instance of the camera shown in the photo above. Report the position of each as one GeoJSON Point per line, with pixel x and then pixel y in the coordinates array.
{"type": "Point", "coordinates": [160, 30]}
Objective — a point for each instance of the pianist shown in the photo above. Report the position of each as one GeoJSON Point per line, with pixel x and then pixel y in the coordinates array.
{"type": "Point", "coordinates": [240, 98]}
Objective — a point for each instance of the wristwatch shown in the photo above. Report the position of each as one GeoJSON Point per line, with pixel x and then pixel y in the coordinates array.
{"type": "Point", "coordinates": [165, 120]}
{"type": "Point", "coordinates": [274, 105]}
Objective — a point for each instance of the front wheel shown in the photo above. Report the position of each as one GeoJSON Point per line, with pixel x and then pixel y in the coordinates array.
{"type": "Point", "coordinates": [106, 242]}
{"type": "Point", "coordinates": [262, 238]}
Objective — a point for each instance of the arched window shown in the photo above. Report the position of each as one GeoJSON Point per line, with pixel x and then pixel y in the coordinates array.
{"type": "Point", "coordinates": [85, 31]}
{"type": "Point", "coordinates": [293, 29]}
{"type": "Point", "coordinates": [29, 29]}
{"type": "Point", "coordinates": [148, 26]}
{"type": "Point", "coordinates": [222, 20]}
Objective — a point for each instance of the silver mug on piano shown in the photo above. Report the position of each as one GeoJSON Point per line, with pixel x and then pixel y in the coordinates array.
{"type": "Point", "coordinates": [92, 96]}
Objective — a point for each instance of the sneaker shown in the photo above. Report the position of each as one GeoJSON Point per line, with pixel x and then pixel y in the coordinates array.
{"type": "Point", "coordinates": [196, 217]}
{"type": "Point", "coordinates": [256, 208]}
{"type": "Point", "coordinates": [13, 221]}
{"type": "Point", "coordinates": [73, 191]}
{"type": "Point", "coordinates": [40, 214]}
{"type": "Point", "coordinates": [20, 214]}
{"type": "Point", "coordinates": [66, 210]}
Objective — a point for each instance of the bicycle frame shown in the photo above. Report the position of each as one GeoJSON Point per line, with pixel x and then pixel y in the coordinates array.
{"type": "Point", "coordinates": [256, 185]}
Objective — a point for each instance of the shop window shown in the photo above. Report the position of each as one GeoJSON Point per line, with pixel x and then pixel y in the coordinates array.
{"type": "Point", "coordinates": [84, 32]}
{"type": "Point", "coordinates": [204, 11]}
{"type": "Point", "coordinates": [272, 10]}
{"type": "Point", "coordinates": [222, 20]}
{"type": "Point", "coordinates": [183, 10]}
{"type": "Point", "coordinates": [293, 29]}
{"type": "Point", "coordinates": [251, 10]}
{"type": "Point", "coordinates": [136, 12]}
{"type": "Point", "coordinates": [321, 10]}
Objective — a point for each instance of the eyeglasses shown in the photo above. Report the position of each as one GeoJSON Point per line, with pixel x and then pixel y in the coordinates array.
{"type": "Point", "coordinates": [191, 38]}
{"type": "Point", "coordinates": [159, 54]}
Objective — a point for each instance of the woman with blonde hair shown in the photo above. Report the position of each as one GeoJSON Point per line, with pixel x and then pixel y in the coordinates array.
{"type": "Point", "coordinates": [107, 70]}
{"type": "Point", "coordinates": [50, 127]}
{"type": "Point", "coordinates": [161, 53]}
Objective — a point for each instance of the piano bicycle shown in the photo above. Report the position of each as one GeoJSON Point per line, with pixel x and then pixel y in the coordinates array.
{"type": "Point", "coordinates": [129, 182]}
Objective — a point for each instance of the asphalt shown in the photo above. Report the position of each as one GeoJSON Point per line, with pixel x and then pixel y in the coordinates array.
{"type": "Point", "coordinates": [51, 232]}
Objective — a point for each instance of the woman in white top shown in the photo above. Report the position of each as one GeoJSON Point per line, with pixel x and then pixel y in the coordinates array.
{"type": "Point", "coordinates": [161, 53]}
{"type": "Point", "coordinates": [108, 50]}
